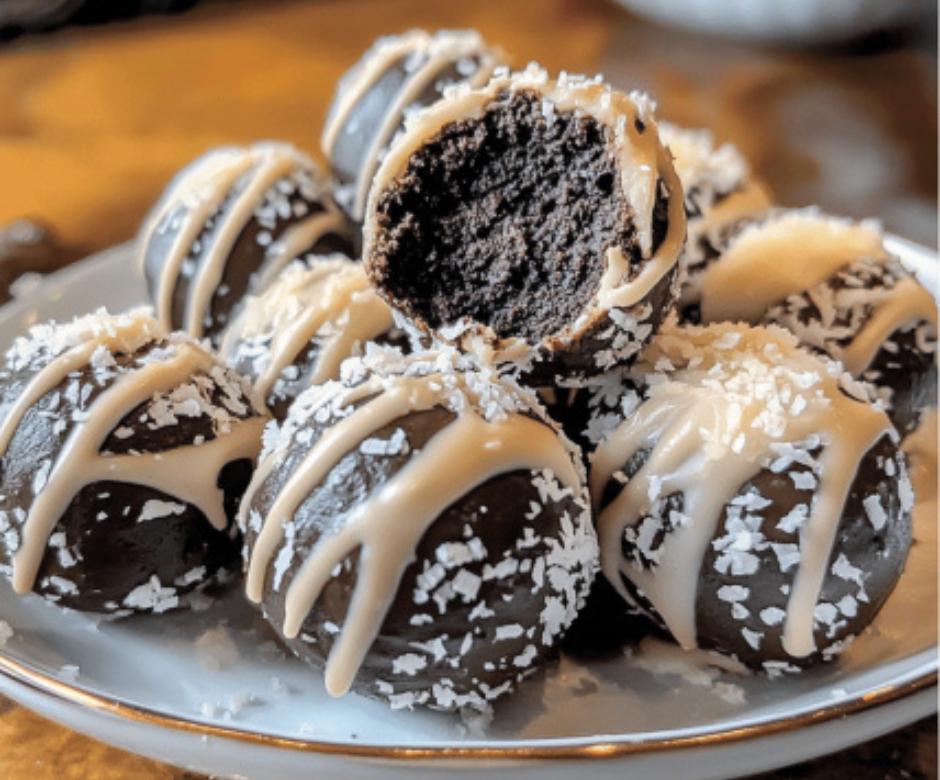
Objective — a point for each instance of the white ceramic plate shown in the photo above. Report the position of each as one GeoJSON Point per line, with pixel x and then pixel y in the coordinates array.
{"type": "Point", "coordinates": [210, 690]}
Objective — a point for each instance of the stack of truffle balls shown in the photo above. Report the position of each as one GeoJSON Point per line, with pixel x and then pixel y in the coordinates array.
{"type": "Point", "coordinates": [520, 337]}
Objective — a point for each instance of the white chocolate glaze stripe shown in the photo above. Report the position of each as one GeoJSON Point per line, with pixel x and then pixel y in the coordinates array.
{"type": "Point", "coordinates": [80, 463]}
{"type": "Point", "coordinates": [207, 183]}
{"type": "Point", "coordinates": [363, 77]}
{"type": "Point", "coordinates": [335, 443]}
{"type": "Point", "coordinates": [906, 303]}
{"type": "Point", "coordinates": [297, 240]}
{"type": "Point", "coordinates": [336, 292]}
{"type": "Point", "coordinates": [270, 163]}
{"type": "Point", "coordinates": [388, 526]}
{"type": "Point", "coordinates": [852, 433]}
{"type": "Point", "coordinates": [127, 336]}
{"type": "Point", "coordinates": [773, 260]}
{"type": "Point", "coordinates": [368, 317]}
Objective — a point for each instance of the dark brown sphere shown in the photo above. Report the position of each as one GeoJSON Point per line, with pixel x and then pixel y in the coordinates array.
{"type": "Point", "coordinates": [227, 224]}
{"type": "Point", "coordinates": [124, 455]}
{"type": "Point", "coordinates": [486, 583]}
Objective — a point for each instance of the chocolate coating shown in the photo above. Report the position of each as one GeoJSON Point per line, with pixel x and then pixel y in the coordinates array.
{"type": "Point", "coordinates": [119, 546]}
{"type": "Point", "coordinates": [830, 316]}
{"type": "Point", "coordinates": [482, 598]}
{"type": "Point", "coordinates": [862, 570]}
{"type": "Point", "coordinates": [226, 224]}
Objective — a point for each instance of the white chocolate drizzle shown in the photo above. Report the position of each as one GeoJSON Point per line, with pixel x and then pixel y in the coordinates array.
{"type": "Point", "coordinates": [644, 164]}
{"type": "Point", "coordinates": [907, 302]}
{"type": "Point", "coordinates": [426, 56]}
{"type": "Point", "coordinates": [329, 299]}
{"type": "Point", "coordinates": [786, 255]}
{"type": "Point", "coordinates": [749, 201]}
{"type": "Point", "coordinates": [297, 240]}
{"type": "Point", "coordinates": [181, 471]}
{"type": "Point", "coordinates": [386, 527]}
{"type": "Point", "coordinates": [196, 195]}
{"type": "Point", "coordinates": [799, 252]}
{"type": "Point", "coordinates": [724, 399]}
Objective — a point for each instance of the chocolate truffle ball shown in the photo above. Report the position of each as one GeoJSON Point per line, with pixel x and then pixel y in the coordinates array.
{"type": "Point", "coordinates": [420, 530]}
{"type": "Point", "coordinates": [747, 502]}
{"type": "Point", "coordinates": [123, 455]}
{"type": "Point", "coordinates": [227, 224]}
{"type": "Point", "coordinates": [397, 77]}
{"type": "Point", "coordinates": [832, 283]}
{"type": "Point", "coordinates": [300, 329]}
{"type": "Point", "coordinates": [720, 192]}
{"type": "Point", "coordinates": [532, 221]}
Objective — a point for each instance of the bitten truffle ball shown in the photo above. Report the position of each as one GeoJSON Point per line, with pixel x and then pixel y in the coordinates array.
{"type": "Point", "coordinates": [420, 530]}
{"type": "Point", "coordinates": [123, 455]}
{"type": "Point", "coordinates": [534, 221]}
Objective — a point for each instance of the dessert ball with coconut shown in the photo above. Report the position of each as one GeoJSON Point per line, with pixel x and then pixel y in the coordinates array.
{"type": "Point", "coordinates": [227, 225]}
{"type": "Point", "coordinates": [534, 221]}
{"type": "Point", "coordinates": [124, 452]}
{"type": "Point", "coordinates": [420, 530]}
{"type": "Point", "coordinates": [299, 330]}
{"type": "Point", "coordinates": [750, 498]}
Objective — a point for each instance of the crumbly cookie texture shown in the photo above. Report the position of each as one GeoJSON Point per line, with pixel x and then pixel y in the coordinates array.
{"type": "Point", "coordinates": [535, 221]}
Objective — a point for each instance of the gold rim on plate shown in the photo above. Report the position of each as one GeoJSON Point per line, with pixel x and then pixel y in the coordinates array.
{"type": "Point", "coordinates": [600, 749]}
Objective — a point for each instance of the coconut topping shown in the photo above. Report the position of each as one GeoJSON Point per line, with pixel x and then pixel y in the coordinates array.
{"type": "Point", "coordinates": [722, 404]}
{"type": "Point", "coordinates": [161, 380]}
{"type": "Point", "coordinates": [493, 432]}
{"type": "Point", "coordinates": [329, 300]}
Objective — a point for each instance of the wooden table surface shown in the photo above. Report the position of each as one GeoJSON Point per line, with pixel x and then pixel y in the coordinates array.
{"type": "Point", "coordinates": [94, 121]}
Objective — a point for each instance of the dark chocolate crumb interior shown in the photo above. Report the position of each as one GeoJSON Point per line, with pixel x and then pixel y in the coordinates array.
{"type": "Point", "coordinates": [504, 219]}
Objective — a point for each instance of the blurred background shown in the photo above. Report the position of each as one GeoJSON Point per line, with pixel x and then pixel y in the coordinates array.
{"type": "Point", "coordinates": [833, 102]}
